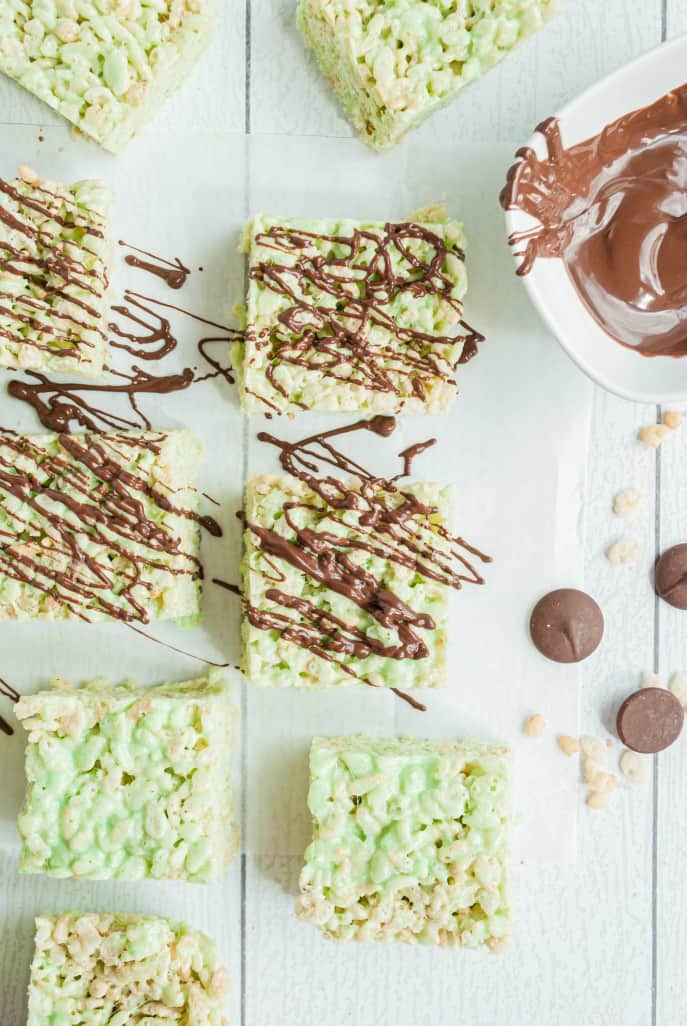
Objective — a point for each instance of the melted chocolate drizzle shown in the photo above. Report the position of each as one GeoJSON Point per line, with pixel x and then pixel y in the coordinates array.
{"type": "Point", "coordinates": [63, 406]}
{"type": "Point", "coordinates": [47, 551]}
{"type": "Point", "coordinates": [9, 692]}
{"type": "Point", "coordinates": [57, 318]}
{"type": "Point", "coordinates": [381, 519]}
{"type": "Point", "coordinates": [613, 209]}
{"type": "Point", "coordinates": [174, 273]}
{"type": "Point", "coordinates": [338, 304]}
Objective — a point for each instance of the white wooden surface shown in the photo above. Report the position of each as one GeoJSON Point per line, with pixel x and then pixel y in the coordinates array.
{"type": "Point", "coordinates": [598, 943]}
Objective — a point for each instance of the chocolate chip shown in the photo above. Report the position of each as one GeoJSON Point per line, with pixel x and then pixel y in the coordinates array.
{"type": "Point", "coordinates": [650, 720]}
{"type": "Point", "coordinates": [670, 576]}
{"type": "Point", "coordinates": [566, 625]}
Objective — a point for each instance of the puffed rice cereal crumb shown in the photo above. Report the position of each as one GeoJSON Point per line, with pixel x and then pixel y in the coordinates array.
{"type": "Point", "coordinates": [534, 725]}
{"type": "Point", "coordinates": [672, 419]}
{"type": "Point", "coordinates": [569, 745]}
{"type": "Point", "coordinates": [623, 552]}
{"type": "Point", "coordinates": [653, 434]}
{"type": "Point", "coordinates": [633, 767]}
{"type": "Point", "coordinates": [626, 502]}
{"type": "Point", "coordinates": [678, 685]}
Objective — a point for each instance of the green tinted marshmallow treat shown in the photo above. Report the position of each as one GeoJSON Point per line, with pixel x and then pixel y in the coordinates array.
{"type": "Point", "coordinates": [353, 315]}
{"type": "Point", "coordinates": [99, 527]}
{"type": "Point", "coordinates": [272, 655]}
{"type": "Point", "coordinates": [127, 782]}
{"type": "Point", "coordinates": [105, 65]}
{"type": "Point", "coordinates": [124, 970]}
{"type": "Point", "coordinates": [392, 63]}
{"type": "Point", "coordinates": [55, 261]}
{"type": "Point", "coordinates": [410, 842]}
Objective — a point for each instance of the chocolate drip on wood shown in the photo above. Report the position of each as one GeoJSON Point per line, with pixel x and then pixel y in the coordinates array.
{"type": "Point", "coordinates": [173, 273]}
{"type": "Point", "coordinates": [335, 336]}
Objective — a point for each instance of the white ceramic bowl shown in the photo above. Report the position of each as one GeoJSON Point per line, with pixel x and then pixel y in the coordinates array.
{"type": "Point", "coordinates": [658, 379]}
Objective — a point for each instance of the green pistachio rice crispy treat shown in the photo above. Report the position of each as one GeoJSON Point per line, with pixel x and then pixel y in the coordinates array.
{"type": "Point", "coordinates": [124, 970]}
{"type": "Point", "coordinates": [128, 782]}
{"type": "Point", "coordinates": [55, 260]}
{"type": "Point", "coordinates": [353, 315]}
{"type": "Point", "coordinates": [105, 65]}
{"type": "Point", "coordinates": [392, 63]}
{"type": "Point", "coordinates": [410, 841]}
{"type": "Point", "coordinates": [99, 527]}
{"type": "Point", "coordinates": [273, 656]}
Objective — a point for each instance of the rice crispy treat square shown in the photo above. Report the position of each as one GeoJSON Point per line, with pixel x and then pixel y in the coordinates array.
{"type": "Point", "coordinates": [105, 65]}
{"type": "Point", "coordinates": [127, 782]}
{"type": "Point", "coordinates": [124, 970]}
{"type": "Point", "coordinates": [55, 264]}
{"type": "Point", "coordinates": [353, 315]}
{"type": "Point", "coordinates": [392, 63]}
{"type": "Point", "coordinates": [99, 527]}
{"type": "Point", "coordinates": [271, 655]}
{"type": "Point", "coordinates": [410, 842]}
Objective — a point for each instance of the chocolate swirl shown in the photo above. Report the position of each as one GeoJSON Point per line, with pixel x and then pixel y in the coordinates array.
{"type": "Point", "coordinates": [338, 319]}
{"type": "Point", "coordinates": [613, 209]}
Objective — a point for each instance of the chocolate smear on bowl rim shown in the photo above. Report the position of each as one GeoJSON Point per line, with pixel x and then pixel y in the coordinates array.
{"type": "Point", "coordinates": [613, 209]}
{"type": "Point", "coordinates": [173, 272]}
{"type": "Point", "coordinates": [566, 625]}
{"type": "Point", "coordinates": [333, 339]}
{"type": "Point", "coordinates": [650, 720]}
{"type": "Point", "coordinates": [670, 576]}
{"type": "Point", "coordinates": [390, 523]}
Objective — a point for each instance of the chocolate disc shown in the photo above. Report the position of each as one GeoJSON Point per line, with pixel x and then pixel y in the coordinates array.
{"type": "Point", "coordinates": [566, 625]}
{"type": "Point", "coordinates": [670, 576]}
{"type": "Point", "coordinates": [650, 720]}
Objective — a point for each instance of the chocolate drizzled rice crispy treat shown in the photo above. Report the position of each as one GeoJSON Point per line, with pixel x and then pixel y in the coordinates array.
{"type": "Point", "coordinates": [353, 315]}
{"type": "Point", "coordinates": [296, 629]}
{"type": "Point", "coordinates": [127, 782]}
{"type": "Point", "coordinates": [392, 63]}
{"type": "Point", "coordinates": [124, 970]}
{"type": "Point", "coordinates": [410, 842]}
{"type": "Point", "coordinates": [55, 262]}
{"type": "Point", "coordinates": [105, 65]}
{"type": "Point", "coordinates": [99, 526]}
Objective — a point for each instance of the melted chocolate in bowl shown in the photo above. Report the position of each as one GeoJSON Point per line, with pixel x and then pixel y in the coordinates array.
{"type": "Point", "coordinates": [614, 210]}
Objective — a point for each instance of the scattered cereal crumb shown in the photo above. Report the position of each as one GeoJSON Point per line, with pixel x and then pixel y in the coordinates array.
{"type": "Point", "coordinates": [626, 502]}
{"type": "Point", "coordinates": [598, 799]}
{"type": "Point", "coordinates": [535, 725]}
{"type": "Point", "coordinates": [594, 748]}
{"type": "Point", "coordinates": [650, 680]}
{"type": "Point", "coordinates": [593, 773]}
{"type": "Point", "coordinates": [568, 745]}
{"type": "Point", "coordinates": [653, 434]}
{"type": "Point", "coordinates": [610, 743]}
{"type": "Point", "coordinates": [623, 552]}
{"type": "Point", "coordinates": [672, 419]}
{"type": "Point", "coordinates": [633, 767]}
{"type": "Point", "coordinates": [28, 175]}
{"type": "Point", "coordinates": [497, 944]}
{"type": "Point", "coordinates": [678, 685]}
